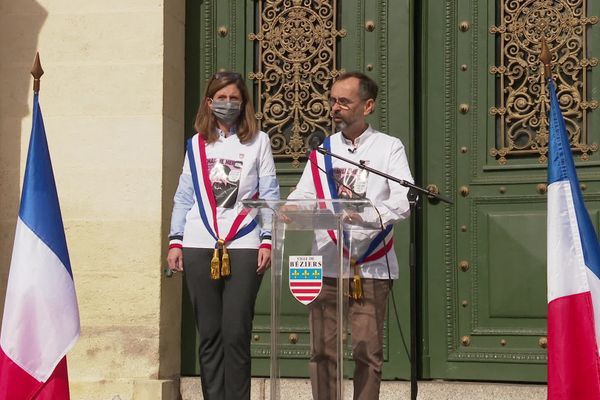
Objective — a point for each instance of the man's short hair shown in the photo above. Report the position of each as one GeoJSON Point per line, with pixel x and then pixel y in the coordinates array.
{"type": "Point", "coordinates": [367, 88]}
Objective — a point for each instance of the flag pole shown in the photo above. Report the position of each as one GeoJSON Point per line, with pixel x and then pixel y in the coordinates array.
{"type": "Point", "coordinates": [37, 72]}
{"type": "Point", "coordinates": [546, 58]}
{"type": "Point", "coordinates": [41, 317]}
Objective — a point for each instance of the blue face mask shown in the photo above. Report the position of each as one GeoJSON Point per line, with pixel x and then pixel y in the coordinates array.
{"type": "Point", "coordinates": [226, 111]}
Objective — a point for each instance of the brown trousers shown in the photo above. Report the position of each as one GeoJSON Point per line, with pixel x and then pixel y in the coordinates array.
{"type": "Point", "coordinates": [366, 317]}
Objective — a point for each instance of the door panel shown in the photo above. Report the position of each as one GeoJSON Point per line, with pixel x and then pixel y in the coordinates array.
{"type": "Point", "coordinates": [223, 35]}
{"type": "Point", "coordinates": [216, 33]}
{"type": "Point", "coordinates": [484, 258]}
{"type": "Point", "coordinates": [504, 238]}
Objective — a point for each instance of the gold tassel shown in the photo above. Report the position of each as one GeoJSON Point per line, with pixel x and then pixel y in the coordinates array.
{"type": "Point", "coordinates": [225, 266]}
{"type": "Point", "coordinates": [357, 292]}
{"type": "Point", "coordinates": [215, 265]}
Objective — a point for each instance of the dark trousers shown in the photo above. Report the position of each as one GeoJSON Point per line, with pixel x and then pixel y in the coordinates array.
{"type": "Point", "coordinates": [366, 318]}
{"type": "Point", "coordinates": [224, 310]}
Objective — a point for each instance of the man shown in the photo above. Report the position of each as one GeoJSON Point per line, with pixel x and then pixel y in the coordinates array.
{"type": "Point", "coordinates": [352, 99]}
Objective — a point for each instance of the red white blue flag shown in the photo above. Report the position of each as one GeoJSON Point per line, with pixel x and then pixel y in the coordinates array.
{"type": "Point", "coordinates": [573, 275]}
{"type": "Point", "coordinates": [41, 319]}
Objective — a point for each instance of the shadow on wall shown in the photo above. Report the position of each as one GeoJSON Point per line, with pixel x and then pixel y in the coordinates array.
{"type": "Point", "coordinates": [20, 25]}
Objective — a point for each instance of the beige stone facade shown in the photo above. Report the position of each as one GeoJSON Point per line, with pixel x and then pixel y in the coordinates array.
{"type": "Point", "coordinates": [112, 98]}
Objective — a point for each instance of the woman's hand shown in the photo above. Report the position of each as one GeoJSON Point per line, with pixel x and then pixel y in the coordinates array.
{"type": "Point", "coordinates": [175, 259]}
{"type": "Point", "coordinates": [264, 260]}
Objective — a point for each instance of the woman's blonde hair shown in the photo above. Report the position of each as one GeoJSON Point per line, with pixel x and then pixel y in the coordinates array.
{"type": "Point", "coordinates": [206, 122]}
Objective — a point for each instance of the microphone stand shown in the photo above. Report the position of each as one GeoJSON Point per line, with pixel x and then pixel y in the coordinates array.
{"type": "Point", "coordinates": [402, 182]}
{"type": "Point", "coordinates": [413, 201]}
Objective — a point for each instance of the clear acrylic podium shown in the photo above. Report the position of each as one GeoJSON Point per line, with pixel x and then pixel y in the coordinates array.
{"type": "Point", "coordinates": [312, 277]}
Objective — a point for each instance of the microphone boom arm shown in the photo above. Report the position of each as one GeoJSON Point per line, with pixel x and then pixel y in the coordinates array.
{"type": "Point", "coordinates": [402, 182]}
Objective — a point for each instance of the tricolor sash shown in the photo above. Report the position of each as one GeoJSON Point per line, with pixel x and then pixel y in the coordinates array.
{"type": "Point", "coordinates": [243, 223]}
{"type": "Point", "coordinates": [325, 188]}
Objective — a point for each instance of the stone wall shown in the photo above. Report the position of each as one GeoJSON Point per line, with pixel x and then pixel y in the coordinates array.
{"type": "Point", "coordinates": [112, 98]}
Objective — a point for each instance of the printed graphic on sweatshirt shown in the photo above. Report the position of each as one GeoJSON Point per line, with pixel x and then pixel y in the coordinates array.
{"type": "Point", "coordinates": [225, 178]}
{"type": "Point", "coordinates": [350, 182]}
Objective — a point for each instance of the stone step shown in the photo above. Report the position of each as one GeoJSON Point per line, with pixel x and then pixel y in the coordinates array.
{"type": "Point", "coordinates": [299, 389]}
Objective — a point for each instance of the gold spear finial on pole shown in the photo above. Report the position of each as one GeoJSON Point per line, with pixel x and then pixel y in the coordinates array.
{"type": "Point", "coordinates": [37, 73]}
{"type": "Point", "coordinates": [546, 58]}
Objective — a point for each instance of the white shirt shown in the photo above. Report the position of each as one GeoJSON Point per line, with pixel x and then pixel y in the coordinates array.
{"type": "Point", "coordinates": [381, 152]}
{"type": "Point", "coordinates": [257, 162]}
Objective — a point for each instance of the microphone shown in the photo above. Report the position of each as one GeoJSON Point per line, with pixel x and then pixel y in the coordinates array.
{"type": "Point", "coordinates": [315, 140]}
{"type": "Point", "coordinates": [352, 150]}
{"type": "Point", "coordinates": [168, 272]}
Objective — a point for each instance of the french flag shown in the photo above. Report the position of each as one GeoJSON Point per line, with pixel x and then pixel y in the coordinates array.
{"type": "Point", "coordinates": [573, 275]}
{"type": "Point", "coordinates": [41, 319]}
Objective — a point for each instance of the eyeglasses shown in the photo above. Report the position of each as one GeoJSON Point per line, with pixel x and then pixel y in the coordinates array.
{"type": "Point", "coordinates": [343, 103]}
{"type": "Point", "coordinates": [235, 102]}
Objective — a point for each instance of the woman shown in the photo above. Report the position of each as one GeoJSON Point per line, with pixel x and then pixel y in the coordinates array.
{"type": "Point", "coordinates": [223, 249]}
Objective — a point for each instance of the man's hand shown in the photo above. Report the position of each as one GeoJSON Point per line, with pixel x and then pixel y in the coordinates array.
{"type": "Point", "coordinates": [175, 259]}
{"type": "Point", "coordinates": [264, 260]}
{"type": "Point", "coordinates": [281, 213]}
{"type": "Point", "coordinates": [352, 217]}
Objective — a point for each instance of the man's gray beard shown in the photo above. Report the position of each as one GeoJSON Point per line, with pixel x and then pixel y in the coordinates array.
{"type": "Point", "coordinates": [340, 126]}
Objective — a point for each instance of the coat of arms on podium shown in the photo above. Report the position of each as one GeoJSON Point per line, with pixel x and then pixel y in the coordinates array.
{"type": "Point", "coordinates": [306, 277]}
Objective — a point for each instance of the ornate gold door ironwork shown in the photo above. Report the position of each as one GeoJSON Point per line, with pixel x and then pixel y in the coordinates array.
{"type": "Point", "coordinates": [523, 101]}
{"type": "Point", "coordinates": [296, 67]}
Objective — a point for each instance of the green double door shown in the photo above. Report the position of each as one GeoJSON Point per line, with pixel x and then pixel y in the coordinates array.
{"type": "Point", "coordinates": [484, 142]}
{"type": "Point", "coordinates": [481, 261]}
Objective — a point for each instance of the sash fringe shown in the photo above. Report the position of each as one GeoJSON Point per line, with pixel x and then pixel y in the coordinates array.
{"type": "Point", "coordinates": [356, 290]}
{"type": "Point", "coordinates": [215, 265]}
